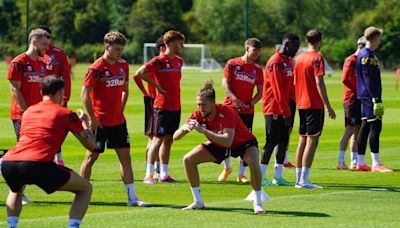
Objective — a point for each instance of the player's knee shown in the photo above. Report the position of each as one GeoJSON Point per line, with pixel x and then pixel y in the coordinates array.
{"type": "Point", "coordinates": [188, 160]}
{"type": "Point", "coordinates": [91, 158]}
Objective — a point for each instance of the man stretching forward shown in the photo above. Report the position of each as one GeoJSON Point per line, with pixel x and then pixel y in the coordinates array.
{"type": "Point", "coordinates": [311, 96]}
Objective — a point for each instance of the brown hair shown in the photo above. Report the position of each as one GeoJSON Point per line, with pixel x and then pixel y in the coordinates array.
{"type": "Point", "coordinates": [207, 91]}
{"type": "Point", "coordinates": [39, 34]}
{"type": "Point", "coordinates": [254, 42]}
{"type": "Point", "coordinates": [51, 84]}
{"type": "Point", "coordinates": [173, 35]}
{"type": "Point", "coordinates": [313, 36]}
{"type": "Point", "coordinates": [371, 32]}
{"type": "Point", "coordinates": [115, 37]}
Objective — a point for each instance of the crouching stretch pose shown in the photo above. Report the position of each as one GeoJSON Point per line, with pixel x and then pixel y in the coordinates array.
{"type": "Point", "coordinates": [228, 136]}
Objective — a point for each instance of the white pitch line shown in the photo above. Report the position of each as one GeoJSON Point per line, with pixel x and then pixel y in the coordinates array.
{"type": "Point", "coordinates": [208, 204]}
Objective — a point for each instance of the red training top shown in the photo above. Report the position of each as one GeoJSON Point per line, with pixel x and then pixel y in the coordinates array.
{"type": "Point", "coordinates": [226, 117]}
{"type": "Point", "coordinates": [308, 65]}
{"type": "Point", "coordinates": [151, 90]}
{"type": "Point", "coordinates": [167, 74]}
{"type": "Point", "coordinates": [349, 79]}
{"type": "Point", "coordinates": [242, 78]}
{"type": "Point", "coordinates": [44, 127]}
{"type": "Point", "coordinates": [29, 73]}
{"type": "Point", "coordinates": [277, 85]}
{"type": "Point", "coordinates": [107, 82]}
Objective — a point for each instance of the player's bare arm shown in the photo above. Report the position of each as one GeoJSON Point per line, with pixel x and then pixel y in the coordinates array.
{"type": "Point", "coordinates": [16, 93]}
{"type": "Point", "coordinates": [322, 92]}
{"type": "Point", "coordinates": [140, 85]}
{"type": "Point", "coordinates": [142, 73]}
{"type": "Point", "coordinates": [89, 108]}
{"type": "Point", "coordinates": [86, 138]}
{"type": "Point", "coordinates": [256, 97]}
{"type": "Point", "coordinates": [238, 103]}
{"type": "Point", "coordinates": [182, 131]}
{"type": "Point", "coordinates": [125, 95]}
{"type": "Point", "coordinates": [225, 138]}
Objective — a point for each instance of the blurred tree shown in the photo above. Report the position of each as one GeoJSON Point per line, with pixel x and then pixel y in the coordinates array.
{"type": "Point", "coordinates": [10, 19]}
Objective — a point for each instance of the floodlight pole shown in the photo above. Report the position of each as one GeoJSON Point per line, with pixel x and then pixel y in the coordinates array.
{"type": "Point", "coordinates": [246, 19]}
{"type": "Point", "coordinates": [27, 24]}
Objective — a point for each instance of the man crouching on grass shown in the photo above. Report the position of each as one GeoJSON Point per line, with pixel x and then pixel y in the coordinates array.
{"type": "Point", "coordinates": [228, 136]}
{"type": "Point", "coordinates": [43, 131]}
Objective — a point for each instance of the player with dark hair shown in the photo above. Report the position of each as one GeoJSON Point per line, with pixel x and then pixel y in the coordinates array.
{"type": "Point", "coordinates": [57, 64]}
{"type": "Point", "coordinates": [369, 91]}
{"type": "Point", "coordinates": [227, 135]}
{"type": "Point", "coordinates": [311, 96]}
{"type": "Point", "coordinates": [278, 83]}
{"type": "Point", "coordinates": [43, 130]}
{"type": "Point", "coordinates": [149, 95]}
{"type": "Point", "coordinates": [166, 69]}
{"type": "Point", "coordinates": [25, 73]}
{"type": "Point", "coordinates": [105, 93]}
{"type": "Point", "coordinates": [241, 76]}
{"type": "Point", "coordinates": [352, 109]}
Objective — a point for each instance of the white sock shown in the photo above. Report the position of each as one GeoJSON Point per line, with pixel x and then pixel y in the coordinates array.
{"type": "Point", "coordinates": [286, 158]}
{"type": "Point", "coordinates": [149, 170]}
{"type": "Point", "coordinates": [257, 200]}
{"type": "Point", "coordinates": [241, 170]}
{"type": "Point", "coordinates": [278, 171]}
{"type": "Point", "coordinates": [263, 168]}
{"type": "Point", "coordinates": [227, 163]}
{"type": "Point", "coordinates": [361, 159]}
{"type": "Point", "coordinates": [353, 157]}
{"type": "Point", "coordinates": [197, 195]}
{"type": "Point", "coordinates": [304, 175]}
{"type": "Point", "coordinates": [298, 175]}
{"type": "Point", "coordinates": [12, 221]}
{"type": "Point", "coordinates": [163, 170]}
{"type": "Point", "coordinates": [157, 165]}
{"type": "Point", "coordinates": [74, 223]}
{"type": "Point", "coordinates": [59, 156]}
{"type": "Point", "coordinates": [341, 156]}
{"type": "Point", "coordinates": [130, 189]}
{"type": "Point", "coordinates": [375, 159]}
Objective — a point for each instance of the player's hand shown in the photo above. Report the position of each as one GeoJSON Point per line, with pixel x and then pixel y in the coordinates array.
{"type": "Point", "coordinates": [94, 125]}
{"type": "Point", "coordinates": [331, 113]}
{"type": "Point", "coordinates": [160, 90]}
{"type": "Point", "coordinates": [238, 104]}
{"type": "Point", "coordinates": [378, 108]}
{"type": "Point", "coordinates": [199, 128]}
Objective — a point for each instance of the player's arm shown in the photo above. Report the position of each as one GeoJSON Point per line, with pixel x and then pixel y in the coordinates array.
{"type": "Point", "coordinates": [86, 90]}
{"type": "Point", "coordinates": [140, 85]}
{"type": "Point", "coordinates": [142, 73]}
{"type": "Point", "coordinates": [256, 97]}
{"type": "Point", "coordinates": [347, 70]}
{"type": "Point", "coordinates": [370, 83]}
{"type": "Point", "coordinates": [17, 94]}
{"type": "Point", "coordinates": [125, 94]}
{"type": "Point", "coordinates": [86, 137]}
{"type": "Point", "coordinates": [225, 139]}
{"type": "Point", "coordinates": [280, 89]}
{"type": "Point", "coordinates": [182, 131]}
{"type": "Point", "coordinates": [65, 73]}
{"type": "Point", "coordinates": [225, 84]}
{"type": "Point", "coordinates": [324, 95]}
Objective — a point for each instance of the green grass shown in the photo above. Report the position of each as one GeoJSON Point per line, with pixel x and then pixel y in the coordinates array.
{"type": "Point", "coordinates": [349, 199]}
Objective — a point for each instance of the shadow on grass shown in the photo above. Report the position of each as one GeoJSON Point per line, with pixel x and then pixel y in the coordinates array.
{"type": "Point", "coordinates": [342, 186]}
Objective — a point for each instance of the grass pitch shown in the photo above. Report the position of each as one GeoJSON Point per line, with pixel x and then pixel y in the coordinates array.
{"type": "Point", "coordinates": [349, 199]}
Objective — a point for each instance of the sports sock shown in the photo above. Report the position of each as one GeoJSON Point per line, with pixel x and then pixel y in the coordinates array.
{"type": "Point", "coordinates": [59, 156]}
{"type": "Point", "coordinates": [263, 170]}
{"type": "Point", "coordinates": [286, 158]}
{"type": "Point", "coordinates": [227, 163]}
{"type": "Point", "coordinates": [375, 159]}
{"type": "Point", "coordinates": [157, 167]}
{"type": "Point", "coordinates": [12, 221]}
{"type": "Point", "coordinates": [163, 170]}
{"type": "Point", "coordinates": [341, 156]}
{"type": "Point", "coordinates": [241, 170]}
{"type": "Point", "coordinates": [304, 175]}
{"type": "Point", "coordinates": [298, 175]}
{"type": "Point", "coordinates": [130, 189]}
{"type": "Point", "coordinates": [197, 195]}
{"type": "Point", "coordinates": [74, 223]}
{"type": "Point", "coordinates": [149, 170]}
{"type": "Point", "coordinates": [353, 157]}
{"type": "Point", "coordinates": [257, 200]}
{"type": "Point", "coordinates": [361, 159]}
{"type": "Point", "coordinates": [278, 171]}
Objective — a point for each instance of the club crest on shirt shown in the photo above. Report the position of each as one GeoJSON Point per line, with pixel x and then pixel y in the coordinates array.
{"type": "Point", "coordinates": [121, 71]}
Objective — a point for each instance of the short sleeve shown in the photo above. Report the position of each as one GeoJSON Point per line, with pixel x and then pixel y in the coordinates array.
{"type": "Point", "coordinates": [228, 72]}
{"type": "Point", "coordinates": [319, 66]}
{"type": "Point", "coordinates": [90, 78]}
{"type": "Point", "coordinates": [15, 71]}
{"type": "Point", "coordinates": [74, 124]}
{"type": "Point", "coordinates": [153, 65]}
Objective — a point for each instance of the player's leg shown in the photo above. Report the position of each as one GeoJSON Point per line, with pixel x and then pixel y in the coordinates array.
{"type": "Point", "coordinates": [376, 128]}
{"type": "Point", "coordinates": [248, 121]}
{"type": "Point", "coordinates": [283, 140]}
{"type": "Point", "coordinates": [14, 207]}
{"type": "Point", "coordinates": [354, 146]}
{"type": "Point", "coordinates": [366, 113]}
{"type": "Point", "coordinates": [342, 148]}
{"type": "Point", "coordinates": [301, 144]}
{"type": "Point", "coordinates": [165, 151]}
{"type": "Point", "coordinates": [292, 104]}
{"type": "Point", "coordinates": [151, 158]}
{"type": "Point", "coordinates": [272, 132]}
{"type": "Point", "coordinates": [191, 160]}
{"type": "Point", "coordinates": [227, 170]}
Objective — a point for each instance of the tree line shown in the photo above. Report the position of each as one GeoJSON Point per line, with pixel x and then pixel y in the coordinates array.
{"type": "Point", "coordinates": [78, 26]}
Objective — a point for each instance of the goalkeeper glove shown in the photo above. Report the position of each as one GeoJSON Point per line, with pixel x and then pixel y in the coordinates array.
{"type": "Point", "coordinates": [378, 108]}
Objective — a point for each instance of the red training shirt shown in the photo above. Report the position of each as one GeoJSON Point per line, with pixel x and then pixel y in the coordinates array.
{"type": "Point", "coordinates": [151, 90]}
{"type": "Point", "coordinates": [167, 74]}
{"type": "Point", "coordinates": [226, 117]}
{"type": "Point", "coordinates": [44, 127]}
{"type": "Point", "coordinates": [29, 73]}
{"type": "Point", "coordinates": [349, 76]}
{"type": "Point", "coordinates": [107, 82]}
{"type": "Point", "coordinates": [277, 85]}
{"type": "Point", "coordinates": [57, 63]}
{"type": "Point", "coordinates": [242, 78]}
{"type": "Point", "coordinates": [308, 65]}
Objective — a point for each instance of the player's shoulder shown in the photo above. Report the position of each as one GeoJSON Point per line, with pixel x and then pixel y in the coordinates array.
{"type": "Point", "coordinates": [122, 61]}
{"type": "Point", "coordinates": [98, 64]}
{"type": "Point", "coordinates": [257, 66]}
{"type": "Point", "coordinates": [57, 50]}
{"type": "Point", "coordinates": [234, 61]}
{"type": "Point", "coordinates": [351, 58]}
{"type": "Point", "coordinates": [20, 58]}
{"type": "Point", "coordinates": [179, 58]}
{"type": "Point", "coordinates": [225, 109]}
